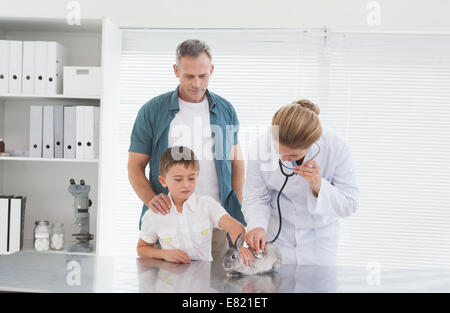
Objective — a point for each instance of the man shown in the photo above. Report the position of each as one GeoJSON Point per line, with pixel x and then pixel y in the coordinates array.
{"type": "Point", "coordinates": [189, 116]}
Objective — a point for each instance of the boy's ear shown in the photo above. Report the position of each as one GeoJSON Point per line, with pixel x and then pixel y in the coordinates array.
{"type": "Point", "coordinates": [162, 180]}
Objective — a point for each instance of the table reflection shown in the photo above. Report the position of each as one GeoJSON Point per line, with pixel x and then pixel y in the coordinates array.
{"type": "Point", "coordinates": [203, 276]}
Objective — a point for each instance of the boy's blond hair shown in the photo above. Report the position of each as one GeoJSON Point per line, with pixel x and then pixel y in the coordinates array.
{"type": "Point", "coordinates": [177, 155]}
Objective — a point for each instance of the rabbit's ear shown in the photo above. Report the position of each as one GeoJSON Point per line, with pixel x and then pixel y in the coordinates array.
{"type": "Point", "coordinates": [230, 242]}
{"type": "Point", "coordinates": [239, 242]}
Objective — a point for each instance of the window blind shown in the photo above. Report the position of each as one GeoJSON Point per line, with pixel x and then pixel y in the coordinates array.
{"type": "Point", "coordinates": [387, 96]}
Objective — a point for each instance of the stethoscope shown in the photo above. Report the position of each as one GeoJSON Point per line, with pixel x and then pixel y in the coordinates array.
{"type": "Point", "coordinates": [294, 163]}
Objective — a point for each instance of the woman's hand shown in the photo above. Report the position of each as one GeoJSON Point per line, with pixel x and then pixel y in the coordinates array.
{"type": "Point", "coordinates": [256, 238]}
{"type": "Point", "coordinates": [311, 172]}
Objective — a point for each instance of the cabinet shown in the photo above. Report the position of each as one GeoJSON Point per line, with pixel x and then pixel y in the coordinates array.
{"type": "Point", "coordinates": [96, 42]}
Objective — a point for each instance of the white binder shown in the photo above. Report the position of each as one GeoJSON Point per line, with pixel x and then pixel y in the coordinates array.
{"type": "Point", "coordinates": [15, 67]}
{"type": "Point", "coordinates": [12, 220]}
{"type": "Point", "coordinates": [79, 133]}
{"type": "Point", "coordinates": [28, 67]}
{"type": "Point", "coordinates": [48, 133]}
{"type": "Point", "coordinates": [69, 132]}
{"type": "Point", "coordinates": [4, 66]}
{"type": "Point", "coordinates": [4, 220]}
{"type": "Point", "coordinates": [59, 130]}
{"type": "Point", "coordinates": [16, 221]}
{"type": "Point", "coordinates": [89, 131]}
{"type": "Point", "coordinates": [56, 58]}
{"type": "Point", "coordinates": [96, 132]}
{"type": "Point", "coordinates": [35, 131]}
{"type": "Point", "coordinates": [40, 73]}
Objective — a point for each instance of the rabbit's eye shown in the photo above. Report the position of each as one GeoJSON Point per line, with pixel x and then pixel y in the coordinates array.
{"type": "Point", "coordinates": [233, 256]}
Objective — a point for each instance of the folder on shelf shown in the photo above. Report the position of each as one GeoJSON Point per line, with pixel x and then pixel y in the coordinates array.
{"type": "Point", "coordinates": [4, 223]}
{"type": "Point", "coordinates": [4, 66]}
{"type": "Point", "coordinates": [59, 130]}
{"type": "Point", "coordinates": [56, 59]}
{"type": "Point", "coordinates": [89, 131]}
{"type": "Point", "coordinates": [48, 133]}
{"type": "Point", "coordinates": [15, 67]}
{"type": "Point", "coordinates": [40, 68]}
{"type": "Point", "coordinates": [79, 132]}
{"type": "Point", "coordinates": [69, 132]}
{"type": "Point", "coordinates": [35, 145]}
{"type": "Point", "coordinates": [12, 220]}
{"type": "Point", "coordinates": [96, 132]}
{"type": "Point", "coordinates": [28, 67]}
{"type": "Point", "coordinates": [16, 223]}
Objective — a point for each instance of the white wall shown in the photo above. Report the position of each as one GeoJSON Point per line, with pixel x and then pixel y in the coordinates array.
{"type": "Point", "coordinates": [343, 15]}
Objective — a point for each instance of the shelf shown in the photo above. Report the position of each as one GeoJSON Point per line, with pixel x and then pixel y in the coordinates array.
{"type": "Point", "coordinates": [26, 24]}
{"type": "Point", "coordinates": [34, 97]}
{"type": "Point", "coordinates": [28, 247]}
{"type": "Point", "coordinates": [46, 160]}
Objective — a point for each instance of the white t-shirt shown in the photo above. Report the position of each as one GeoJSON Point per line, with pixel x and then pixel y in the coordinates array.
{"type": "Point", "coordinates": [190, 231]}
{"type": "Point", "coordinates": [191, 128]}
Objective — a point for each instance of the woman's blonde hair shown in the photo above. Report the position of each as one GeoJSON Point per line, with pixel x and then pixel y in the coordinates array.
{"type": "Point", "coordinates": [299, 124]}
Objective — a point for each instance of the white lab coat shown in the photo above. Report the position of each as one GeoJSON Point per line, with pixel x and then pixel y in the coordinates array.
{"type": "Point", "coordinates": [310, 227]}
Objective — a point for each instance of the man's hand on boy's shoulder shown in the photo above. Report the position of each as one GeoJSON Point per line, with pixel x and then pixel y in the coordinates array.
{"type": "Point", "coordinates": [160, 204]}
{"type": "Point", "coordinates": [176, 256]}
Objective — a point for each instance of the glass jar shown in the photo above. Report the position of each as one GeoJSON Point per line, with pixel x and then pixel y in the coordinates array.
{"type": "Point", "coordinates": [42, 236]}
{"type": "Point", "coordinates": [57, 238]}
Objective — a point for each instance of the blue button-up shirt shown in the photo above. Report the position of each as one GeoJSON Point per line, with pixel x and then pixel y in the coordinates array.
{"type": "Point", "coordinates": [150, 136]}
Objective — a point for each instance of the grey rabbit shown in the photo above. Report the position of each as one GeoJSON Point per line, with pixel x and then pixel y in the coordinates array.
{"type": "Point", "coordinates": [233, 264]}
{"type": "Point", "coordinates": [269, 282]}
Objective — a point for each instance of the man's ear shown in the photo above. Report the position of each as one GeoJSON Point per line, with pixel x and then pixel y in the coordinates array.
{"type": "Point", "coordinates": [212, 69]}
{"type": "Point", "coordinates": [162, 180]}
{"type": "Point", "coordinates": [176, 71]}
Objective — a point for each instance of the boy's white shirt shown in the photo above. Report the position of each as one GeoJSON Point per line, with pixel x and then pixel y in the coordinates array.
{"type": "Point", "coordinates": [189, 231]}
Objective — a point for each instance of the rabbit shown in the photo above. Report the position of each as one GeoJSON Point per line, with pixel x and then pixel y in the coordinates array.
{"type": "Point", "coordinates": [233, 264]}
{"type": "Point", "coordinates": [267, 283]}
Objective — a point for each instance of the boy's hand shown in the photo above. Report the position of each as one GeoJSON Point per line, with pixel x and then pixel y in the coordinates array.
{"type": "Point", "coordinates": [246, 256]}
{"type": "Point", "coordinates": [176, 256]}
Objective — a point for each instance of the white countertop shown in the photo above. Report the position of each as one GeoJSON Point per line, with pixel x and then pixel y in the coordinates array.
{"type": "Point", "coordinates": [43, 272]}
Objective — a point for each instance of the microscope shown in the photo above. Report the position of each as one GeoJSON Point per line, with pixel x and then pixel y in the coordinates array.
{"type": "Point", "coordinates": [81, 206]}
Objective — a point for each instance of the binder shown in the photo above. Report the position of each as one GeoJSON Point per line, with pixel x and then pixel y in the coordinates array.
{"type": "Point", "coordinates": [96, 132]}
{"type": "Point", "coordinates": [40, 73]}
{"type": "Point", "coordinates": [28, 67]}
{"type": "Point", "coordinates": [69, 132]}
{"type": "Point", "coordinates": [56, 58]}
{"type": "Point", "coordinates": [4, 66]}
{"type": "Point", "coordinates": [4, 223]}
{"type": "Point", "coordinates": [35, 145]}
{"type": "Point", "coordinates": [48, 133]}
{"type": "Point", "coordinates": [12, 221]}
{"type": "Point", "coordinates": [15, 67]}
{"type": "Point", "coordinates": [59, 131]}
{"type": "Point", "coordinates": [79, 132]}
{"type": "Point", "coordinates": [89, 130]}
{"type": "Point", "coordinates": [16, 223]}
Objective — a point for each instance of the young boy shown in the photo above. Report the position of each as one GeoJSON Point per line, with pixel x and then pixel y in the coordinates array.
{"type": "Point", "coordinates": [185, 233]}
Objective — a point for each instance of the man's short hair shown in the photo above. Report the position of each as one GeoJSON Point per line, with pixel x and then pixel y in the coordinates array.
{"type": "Point", "coordinates": [177, 155]}
{"type": "Point", "coordinates": [192, 47]}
